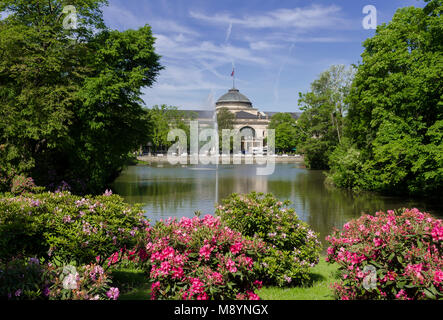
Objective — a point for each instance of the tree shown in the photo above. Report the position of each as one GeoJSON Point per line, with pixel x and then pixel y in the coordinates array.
{"type": "Point", "coordinates": [395, 119]}
{"type": "Point", "coordinates": [164, 118]}
{"type": "Point", "coordinates": [225, 119]}
{"type": "Point", "coordinates": [321, 123]}
{"type": "Point", "coordinates": [71, 107]}
{"type": "Point", "coordinates": [285, 132]}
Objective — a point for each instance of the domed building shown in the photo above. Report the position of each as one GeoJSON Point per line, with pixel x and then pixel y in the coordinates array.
{"type": "Point", "coordinates": [251, 122]}
{"type": "Point", "coordinates": [248, 120]}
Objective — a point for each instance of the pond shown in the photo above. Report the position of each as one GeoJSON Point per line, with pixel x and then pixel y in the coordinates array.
{"type": "Point", "coordinates": [175, 191]}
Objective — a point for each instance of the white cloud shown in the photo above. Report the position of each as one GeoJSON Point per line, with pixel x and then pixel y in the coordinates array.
{"type": "Point", "coordinates": [264, 45]}
{"type": "Point", "coordinates": [315, 16]}
{"type": "Point", "coordinates": [125, 19]}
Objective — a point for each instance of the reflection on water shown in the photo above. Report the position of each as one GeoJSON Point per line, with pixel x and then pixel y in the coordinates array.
{"type": "Point", "coordinates": [175, 191]}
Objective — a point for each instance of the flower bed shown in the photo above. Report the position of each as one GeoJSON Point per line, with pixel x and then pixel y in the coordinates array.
{"type": "Point", "coordinates": [393, 255]}
{"type": "Point", "coordinates": [292, 247]}
{"type": "Point", "coordinates": [200, 259]}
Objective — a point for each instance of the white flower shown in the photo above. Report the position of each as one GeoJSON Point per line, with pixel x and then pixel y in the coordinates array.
{"type": "Point", "coordinates": [70, 281]}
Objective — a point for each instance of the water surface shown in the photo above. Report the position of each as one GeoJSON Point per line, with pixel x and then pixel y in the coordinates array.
{"type": "Point", "coordinates": [175, 191]}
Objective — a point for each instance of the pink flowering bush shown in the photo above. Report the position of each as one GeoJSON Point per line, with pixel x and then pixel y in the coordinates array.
{"type": "Point", "coordinates": [29, 279]}
{"type": "Point", "coordinates": [292, 247]}
{"type": "Point", "coordinates": [404, 248]}
{"type": "Point", "coordinates": [89, 282]}
{"type": "Point", "coordinates": [201, 259]}
{"type": "Point", "coordinates": [22, 184]}
{"type": "Point", "coordinates": [69, 228]}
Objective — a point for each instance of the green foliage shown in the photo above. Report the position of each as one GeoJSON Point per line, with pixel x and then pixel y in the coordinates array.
{"type": "Point", "coordinates": [285, 132]}
{"type": "Point", "coordinates": [164, 118]}
{"type": "Point", "coordinates": [293, 249]}
{"type": "Point", "coordinates": [65, 228]}
{"type": "Point", "coordinates": [22, 279]}
{"type": "Point", "coordinates": [70, 101]}
{"type": "Point", "coordinates": [320, 127]}
{"type": "Point", "coordinates": [395, 113]}
{"type": "Point", "coordinates": [225, 119]}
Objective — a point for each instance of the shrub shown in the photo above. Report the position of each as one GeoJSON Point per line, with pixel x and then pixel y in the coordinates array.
{"type": "Point", "coordinates": [23, 279]}
{"type": "Point", "coordinates": [404, 247]}
{"type": "Point", "coordinates": [22, 184]}
{"type": "Point", "coordinates": [89, 282]}
{"type": "Point", "coordinates": [292, 248]}
{"type": "Point", "coordinates": [200, 259]}
{"type": "Point", "coordinates": [28, 279]}
{"type": "Point", "coordinates": [68, 228]}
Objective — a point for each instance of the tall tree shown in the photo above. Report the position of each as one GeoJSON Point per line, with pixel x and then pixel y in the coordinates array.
{"type": "Point", "coordinates": [321, 123]}
{"type": "Point", "coordinates": [395, 120]}
{"type": "Point", "coordinates": [70, 100]}
{"type": "Point", "coordinates": [285, 132]}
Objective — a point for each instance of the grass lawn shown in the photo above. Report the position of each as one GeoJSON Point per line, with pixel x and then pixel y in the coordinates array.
{"type": "Point", "coordinates": [323, 276]}
{"type": "Point", "coordinates": [135, 285]}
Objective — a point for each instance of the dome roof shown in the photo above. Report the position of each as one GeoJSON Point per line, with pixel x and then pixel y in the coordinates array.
{"type": "Point", "coordinates": [234, 95]}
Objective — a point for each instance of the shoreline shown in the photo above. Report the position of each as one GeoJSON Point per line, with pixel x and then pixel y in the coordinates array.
{"type": "Point", "coordinates": [278, 159]}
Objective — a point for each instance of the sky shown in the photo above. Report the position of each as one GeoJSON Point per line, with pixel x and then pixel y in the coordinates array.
{"type": "Point", "coordinates": [277, 47]}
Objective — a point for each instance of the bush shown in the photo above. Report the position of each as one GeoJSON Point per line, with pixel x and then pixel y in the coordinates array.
{"type": "Point", "coordinates": [200, 259]}
{"type": "Point", "coordinates": [28, 279]}
{"type": "Point", "coordinates": [66, 228]}
{"type": "Point", "coordinates": [292, 248]}
{"type": "Point", "coordinates": [23, 279]}
{"type": "Point", "coordinates": [403, 247]}
{"type": "Point", "coordinates": [22, 184]}
{"type": "Point", "coordinates": [89, 282]}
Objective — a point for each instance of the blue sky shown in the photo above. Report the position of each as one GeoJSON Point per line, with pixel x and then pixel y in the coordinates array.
{"type": "Point", "coordinates": [277, 47]}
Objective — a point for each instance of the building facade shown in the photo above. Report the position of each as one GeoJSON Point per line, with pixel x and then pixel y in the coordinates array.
{"type": "Point", "coordinates": [250, 122]}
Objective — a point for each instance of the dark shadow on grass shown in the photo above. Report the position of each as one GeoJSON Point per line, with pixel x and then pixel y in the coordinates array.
{"type": "Point", "coordinates": [314, 278]}
{"type": "Point", "coordinates": [133, 284]}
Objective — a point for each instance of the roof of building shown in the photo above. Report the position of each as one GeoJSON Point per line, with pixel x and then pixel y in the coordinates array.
{"type": "Point", "coordinates": [208, 114]}
{"type": "Point", "coordinates": [234, 95]}
{"type": "Point", "coordinates": [201, 114]}
{"type": "Point", "coordinates": [245, 115]}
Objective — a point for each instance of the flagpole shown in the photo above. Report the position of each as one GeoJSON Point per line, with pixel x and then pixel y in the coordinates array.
{"type": "Point", "coordinates": [233, 78]}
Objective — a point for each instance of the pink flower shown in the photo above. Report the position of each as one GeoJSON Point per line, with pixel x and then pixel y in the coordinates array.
{"type": "Point", "coordinates": [236, 248]}
{"type": "Point", "coordinates": [401, 295]}
{"type": "Point", "coordinates": [258, 284]}
{"type": "Point", "coordinates": [252, 295]}
{"type": "Point", "coordinates": [437, 233]}
{"type": "Point", "coordinates": [377, 242]}
{"type": "Point", "coordinates": [205, 251]}
{"type": "Point", "coordinates": [231, 266]}
{"type": "Point", "coordinates": [438, 276]}
{"type": "Point", "coordinates": [113, 293]}
{"type": "Point", "coordinates": [217, 277]}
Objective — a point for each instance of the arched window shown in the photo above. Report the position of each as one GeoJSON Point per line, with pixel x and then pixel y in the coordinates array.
{"type": "Point", "coordinates": [247, 132]}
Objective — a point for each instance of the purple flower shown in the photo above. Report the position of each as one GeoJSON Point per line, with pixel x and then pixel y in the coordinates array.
{"type": "Point", "coordinates": [108, 193]}
{"type": "Point", "coordinates": [113, 293]}
{"type": "Point", "coordinates": [18, 292]}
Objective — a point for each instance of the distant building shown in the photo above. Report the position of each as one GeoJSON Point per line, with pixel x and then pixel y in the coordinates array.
{"type": "Point", "coordinates": [248, 120]}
